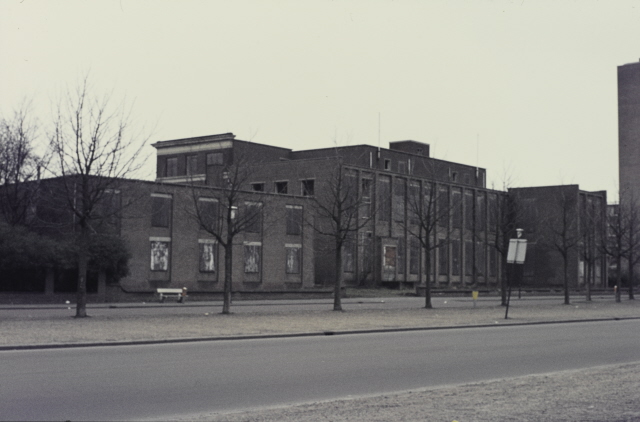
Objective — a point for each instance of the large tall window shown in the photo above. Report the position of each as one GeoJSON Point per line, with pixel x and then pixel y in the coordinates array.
{"type": "Point", "coordinates": [252, 257]}
{"type": "Point", "coordinates": [192, 165]}
{"type": "Point", "coordinates": [384, 198]}
{"type": "Point", "coordinates": [253, 216]}
{"type": "Point", "coordinates": [293, 252]}
{"type": "Point", "coordinates": [171, 169]}
{"type": "Point", "coordinates": [294, 220]}
{"type": "Point", "coordinates": [208, 254]}
{"type": "Point", "coordinates": [208, 209]}
{"type": "Point", "coordinates": [160, 253]}
{"type": "Point", "coordinates": [161, 205]}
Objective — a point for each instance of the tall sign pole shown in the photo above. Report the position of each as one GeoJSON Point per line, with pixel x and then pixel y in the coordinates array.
{"type": "Point", "coordinates": [515, 255]}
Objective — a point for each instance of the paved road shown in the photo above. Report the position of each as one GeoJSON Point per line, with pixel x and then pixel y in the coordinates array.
{"type": "Point", "coordinates": [158, 381]}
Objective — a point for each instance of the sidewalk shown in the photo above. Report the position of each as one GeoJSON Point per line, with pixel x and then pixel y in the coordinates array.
{"type": "Point", "coordinates": [54, 326]}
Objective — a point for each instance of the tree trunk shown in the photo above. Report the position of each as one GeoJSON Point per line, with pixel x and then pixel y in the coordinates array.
{"type": "Point", "coordinates": [83, 258]}
{"type": "Point", "coordinates": [566, 281]}
{"type": "Point", "coordinates": [427, 284]}
{"type": "Point", "coordinates": [618, 278]}
{"type": "Point", "coordinates": [228, 261]}
{"type": "Point", "coordinates": [631, 259]}
{"type": "Point", "coordinates": [337, 300]}
{"type": "Point", "coordinates": [587, 280]}
{"type": "Point", "coordinates": [504, 281]}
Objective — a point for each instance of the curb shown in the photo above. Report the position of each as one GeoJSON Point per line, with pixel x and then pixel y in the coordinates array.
{"type": "Point", "coordinates": [293, 335]}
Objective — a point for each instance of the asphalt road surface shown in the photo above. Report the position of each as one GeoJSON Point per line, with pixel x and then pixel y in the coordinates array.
{"type": "Point", "coordinates": [158, 381]}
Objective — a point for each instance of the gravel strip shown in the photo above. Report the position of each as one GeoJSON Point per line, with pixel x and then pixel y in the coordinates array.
{"type": "Point", "coordinates": [606, 393]}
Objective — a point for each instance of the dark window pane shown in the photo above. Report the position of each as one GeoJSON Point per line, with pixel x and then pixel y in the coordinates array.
{"type": "Point", "coordinates": [308, 187]}
{"type": "Point", "coordinates": [172, 167]}
{"type": "Point", "coordinates": [294, 220]}
{"type": "Point", "coordinates": [282, 187]}
{"type": "Point", "coordinates": [215, 159]}
{"type": "Point", "coordinates": [160, 211]}
{"type": "Point", "coordinates": [208, 215]}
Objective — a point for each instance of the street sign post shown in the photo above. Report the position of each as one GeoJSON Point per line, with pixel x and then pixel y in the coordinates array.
{"type": "Point", "coordinates": [515, 255]}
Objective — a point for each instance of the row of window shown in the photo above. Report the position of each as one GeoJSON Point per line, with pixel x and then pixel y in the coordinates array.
{"type": "Point", "coordinates": [307, 187]}
{"type": "Point", "coordinates": [172, 164]}
{"type": "Point", "coordinates": [208, 256]}
{"type": "Point", "coordinates": [249, 217]}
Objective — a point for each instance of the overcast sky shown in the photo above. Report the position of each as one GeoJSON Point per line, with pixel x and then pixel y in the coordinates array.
{"type": "Point", "coordinates": [524, 85]}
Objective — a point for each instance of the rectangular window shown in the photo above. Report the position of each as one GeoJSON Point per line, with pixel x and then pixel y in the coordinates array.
{"type": "Point", "coordinates": [455, 257]}
{"type": "Point", "coordinates": [208, 254]}
{"type": "Point", "coordinates": [416, 214]}
{"type": "Point", "coordinates": [456, 211]}
{"type": "Point", "coordinates": [414, 256]}
{"type": "Point", "coordinates": [494, 212]}
{"type": "Point", "coordinates": [160, 253]}
{"type": "Point", "coordinates": [253, 217]}
{"type": "Point", "coordinates": [294, 220]}
{"type": "Point", "coordinates": [385, 198]}
{"type": "Point", "coordinates": [387, 164]}
{"type": "Point", "coordinates": [171, 169]}
{"type": "Point", "coordinates": [282, 188]}
{"type": "Point", "coordinates": [257, 187]}
{"type": "Point", "coordinates": [252, 254]}
{"type": "Point", "coordinates": [443, 258]}
{"type": "Point", "coordinates": [468, 257]}
{"type": "Point", "coordinates": [365, 191]}
{"type": "Point", "coordinates": [293, 258]}
{"type": "Point", "coordinates": [481, 211]}
{"type": "Point", "coordinates": [208, 214]}
{"type": "Point", "coordinates": [480, 258]}
{"type": "Point", "coordinates": [389, 259]}
{"type": "Point", "coordinates": [215, 159]}
{"type": "Point", "coordinates": [398, 200]}
{"type": "Point", "coordinates": [468, 209]}
{"type": "Point", "coordinates": [443, 206]}
{"type": "Point", "coordinates": [192, 165]}
{"type": "Point", "coordinates": [308, 187]}
{"type": "Point", "coordinates": [366, 241]}
{"type": "Point", "coordinates": [493, 261]}
{"type": "Point", "coordinates": [160, 210]}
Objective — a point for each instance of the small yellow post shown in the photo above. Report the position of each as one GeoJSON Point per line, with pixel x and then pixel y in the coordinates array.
{"type": "Point", "coordinates": [474, 295]}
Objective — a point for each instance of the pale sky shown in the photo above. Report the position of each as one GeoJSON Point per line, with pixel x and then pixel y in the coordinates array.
{"type": "Point", "coordinates": [526, 85]}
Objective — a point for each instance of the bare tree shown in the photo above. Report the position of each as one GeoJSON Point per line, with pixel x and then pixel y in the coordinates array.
{"type": "Point", "coordinates": [429, 210]}
{"type": "Point", "coordinates": [20, 166]}
{"type": "Point", "coordinates": [632, 241]}
{"type": "Point", "coordinates": [232, 211]}
{"type": "Point", "coordinates": [336, 206]}
{"type": "Point", "coordinates": [591, 233]}
{"type": "Point", "coordinates": [563, 232]}
{"type": "Point", "coordinates": [95, 148]}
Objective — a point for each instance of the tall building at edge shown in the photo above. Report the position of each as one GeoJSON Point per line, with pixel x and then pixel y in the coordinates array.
{"type": "Point", "coordinates": [629, 129]}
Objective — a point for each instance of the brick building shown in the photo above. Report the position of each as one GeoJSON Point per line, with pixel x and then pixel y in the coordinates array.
{"type": "Point", "coordinates": [629, 129]}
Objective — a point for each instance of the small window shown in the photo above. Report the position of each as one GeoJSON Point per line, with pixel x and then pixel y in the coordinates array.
{"type": "Point", "coordinates": [257, 187]}
{"type": "Point", "coordinates": [308, 187]}
{"type": "Point", "coordinates": [171, 169]}
{"type": "Point", "coordinates": [215, 159]}
{"type": "Point", "coordinates": [282, 187]}
{"type": "Point", "coordinates": [387, 164]}
{"type": "Point", "coordinates": [454, 176]}
{"type": "Point", "coordinates": [192, 165]}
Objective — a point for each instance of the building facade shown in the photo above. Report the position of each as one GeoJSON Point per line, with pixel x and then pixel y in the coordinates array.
{"type": "Point", "coordinates": [629, 130]}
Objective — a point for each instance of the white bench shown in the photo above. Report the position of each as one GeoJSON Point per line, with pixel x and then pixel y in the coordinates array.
{"type": "Point", "coordinates": [181, 294]}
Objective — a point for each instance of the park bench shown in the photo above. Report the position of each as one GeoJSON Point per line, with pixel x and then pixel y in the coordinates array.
{"type": "Point", "coordinates": [181, 294]}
